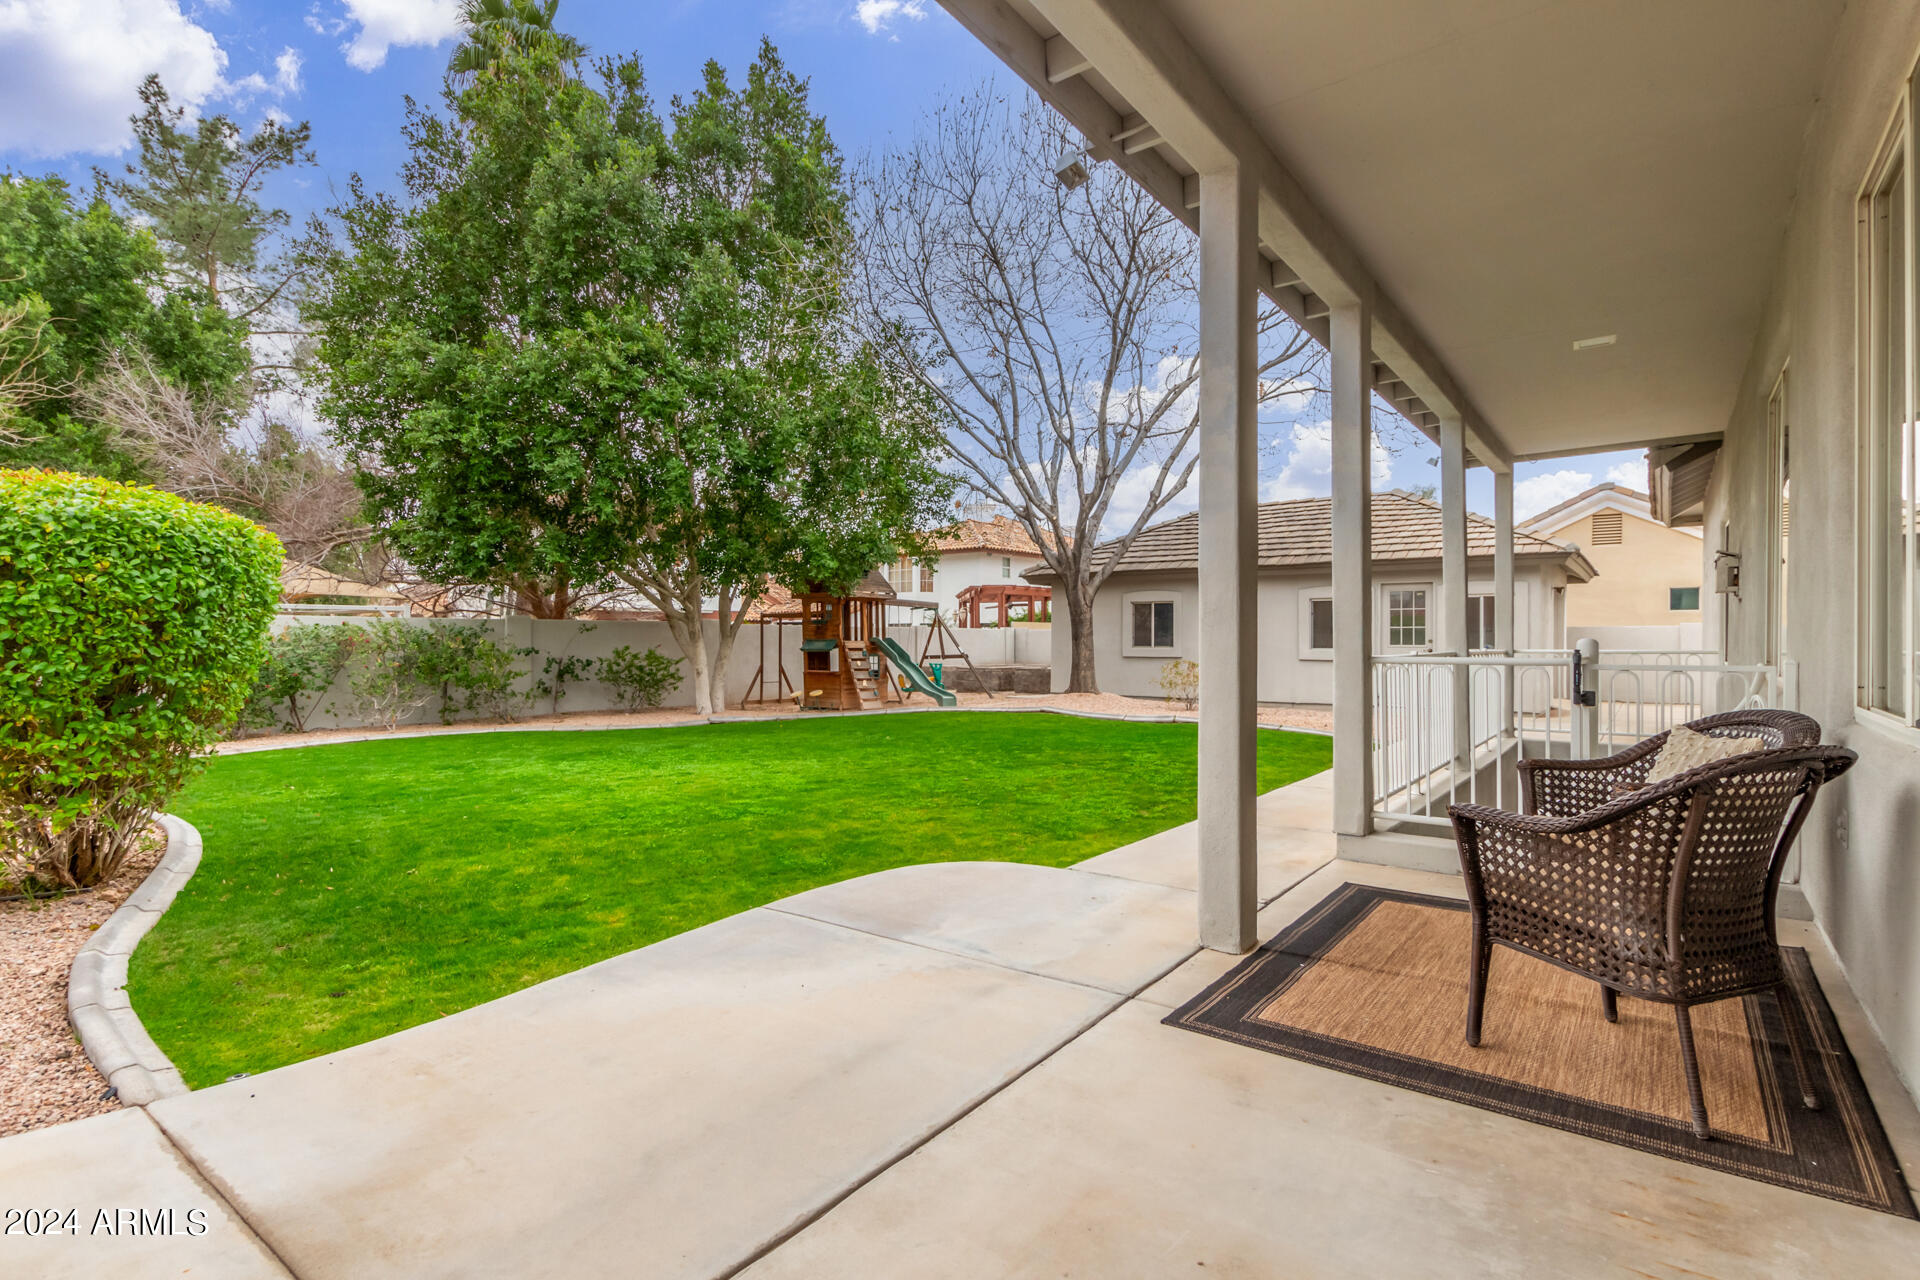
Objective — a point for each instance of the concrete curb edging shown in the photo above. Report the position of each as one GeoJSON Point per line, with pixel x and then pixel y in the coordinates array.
{"type": "Point", "coordinates": [109, 1030]}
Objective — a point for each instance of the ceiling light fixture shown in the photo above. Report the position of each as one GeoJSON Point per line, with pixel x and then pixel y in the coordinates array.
{"type": "Point", "coordinates": [1604, 340]}
{"type": "Point", "coordinates": [1071, 169]}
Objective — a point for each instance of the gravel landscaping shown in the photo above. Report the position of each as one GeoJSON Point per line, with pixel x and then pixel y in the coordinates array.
{"type": "Point", "coordinates": [45, 1077]}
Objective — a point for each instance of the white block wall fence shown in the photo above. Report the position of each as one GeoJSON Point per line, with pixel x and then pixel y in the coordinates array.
{"type": "Point", "coordinates": [563, 637]}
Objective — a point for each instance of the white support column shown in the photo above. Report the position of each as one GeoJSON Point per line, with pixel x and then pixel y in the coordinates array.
{"type": "Point", "coordinates": [1229, 472]}
{"type": "Point", "coordinates": [1454, 591]}
{"type": "Point", "coordinates": [1350, 328]}
{"type": "Point", "coordinates": [1503, 587]}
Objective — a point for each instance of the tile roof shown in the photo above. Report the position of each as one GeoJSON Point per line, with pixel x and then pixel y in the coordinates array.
{"type": "Point", "coordinates": [1002, 533]}
{"type": "Point", "coordinates": [1405, 527]}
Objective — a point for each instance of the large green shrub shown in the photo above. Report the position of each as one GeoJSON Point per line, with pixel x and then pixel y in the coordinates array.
{"type": "Point", "coordinates": [474, 672]}
{"type": "Point", "coordinates": [392, 670]}
{"type": "Point", "coordinates": [300, 667]}
{"type": "Point", "coordinates": [131, 625]}
{"type": "Point", "coordinates": [639, 679]}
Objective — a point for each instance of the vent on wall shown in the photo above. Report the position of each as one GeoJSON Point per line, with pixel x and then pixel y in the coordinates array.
{"type": "Point", "coordinates": [1606, 528]}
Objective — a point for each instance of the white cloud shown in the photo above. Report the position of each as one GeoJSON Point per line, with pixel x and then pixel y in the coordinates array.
{"type": "Point", "coordinates": [286, 71]}
{"type": "Point", "coordinates": [879, 16]}
{"type": "Point", "coordinates": [1536, 493]}
{"type": "Point", "coordinates": [385, 23]}
{"type": "Point", "coordinates": [70, 70]}
{"type": "Point", "coordinates": [286, 80]}
{"type": "Point", "coordinates": [1308, 470]}
{"type": "Point", "coordinates": [1631, 475]}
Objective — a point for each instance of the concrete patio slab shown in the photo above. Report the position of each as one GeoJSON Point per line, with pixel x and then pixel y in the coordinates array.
{"type": "Point", "coordinates": [139, 1209]}
{"type": "Point", "coordinates": [1194, 976]}
{"type": "Point", "coordinates": [1295, 837]}
{"type": "Point", "coordinates": [1117, 935]}
{"type": "Point", "coordinates": [666, 1113]}
{"type": "Point", "coordinates": [1144, 1150]}
{"type": "Point", "coordinates": [1306, 803]}
{"type": "Point", "coordinates": [929, 1072]}
{"type": "Point", "coordinates": [1171, 858]}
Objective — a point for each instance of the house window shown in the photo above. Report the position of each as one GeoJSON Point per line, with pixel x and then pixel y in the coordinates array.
{"type": "Point", "coordinates": [1887, 465]}
{"type": "Point", "coordinates": [1407, 617]}
{"type": "Point", "coordinates": [926, 577]}
{"type": "Point", "coordinates": [1680, 599]}
{"type": "Point", "coordinates": [1480, 622]}
{"type": "Point", "coordinates": [1320, 624]}
{"type": "Point", "coordinates": [1006, 567]}
{"type": "Point", "coordinates": [1153, 624]}
{"type": "Point", "coordinates": [1608, 528]}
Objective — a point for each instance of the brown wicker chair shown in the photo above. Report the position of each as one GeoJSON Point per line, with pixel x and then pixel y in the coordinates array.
{"type": "Point", "coordinates": [1562, 788]}
{"type": "Point", "coordinates": [1665, 892]}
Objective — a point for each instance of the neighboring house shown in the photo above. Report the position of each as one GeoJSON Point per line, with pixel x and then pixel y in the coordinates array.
{"type": "Point", "coordinates": [1646, 594]}
{"type": "Point", "coordinates": [971, 553]}
{"type": "Point", "coordinates": [1147, 612]}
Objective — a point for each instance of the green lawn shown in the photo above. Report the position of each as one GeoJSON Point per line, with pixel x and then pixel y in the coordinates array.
{"type": "Point", "coordinates": [349, 891]}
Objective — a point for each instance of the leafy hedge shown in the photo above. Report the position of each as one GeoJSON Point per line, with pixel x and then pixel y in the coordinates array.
{"type": "Point", "coordinates": [300, 667]}
{"type": "Point", "coordinates": [131, 625]}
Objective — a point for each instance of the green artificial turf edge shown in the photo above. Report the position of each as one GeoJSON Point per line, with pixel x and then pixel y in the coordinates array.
{"type": "Point", "coordinates": [351, 890]}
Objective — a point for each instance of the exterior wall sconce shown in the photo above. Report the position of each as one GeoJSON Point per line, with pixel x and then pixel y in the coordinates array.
{"type": "Point", "coordinates": [1726, 573]}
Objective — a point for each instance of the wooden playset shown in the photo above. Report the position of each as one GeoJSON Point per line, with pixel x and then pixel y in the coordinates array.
{"type": "Point", "coordinates": [847, 660]}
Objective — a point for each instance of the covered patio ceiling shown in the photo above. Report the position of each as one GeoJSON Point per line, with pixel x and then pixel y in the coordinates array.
{"type": "Point", "coordinates": [1509, 177]}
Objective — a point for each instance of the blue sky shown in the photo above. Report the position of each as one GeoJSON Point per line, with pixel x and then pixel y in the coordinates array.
{"type": "Point", "coordinates": [69, 70]}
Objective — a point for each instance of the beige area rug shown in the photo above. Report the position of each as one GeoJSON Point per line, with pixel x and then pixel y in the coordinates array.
{"type": "Point", "coordinates": [1373, 982]}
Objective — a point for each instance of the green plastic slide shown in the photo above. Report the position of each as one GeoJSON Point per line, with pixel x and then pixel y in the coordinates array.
{"type": "Point", "coordinates": [916, 678]}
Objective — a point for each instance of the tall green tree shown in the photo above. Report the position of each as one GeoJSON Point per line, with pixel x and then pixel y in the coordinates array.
{"type": "Point", "coordinates": [593, 345]}
{"type": "Point", "coordinates": [199, 184]}
{"type": "Point", "coordinates": [202, 185]}
{"type": "Point", "coordinates": [497, 28]}
{"type": "Point", "coordinates": [86, 284]}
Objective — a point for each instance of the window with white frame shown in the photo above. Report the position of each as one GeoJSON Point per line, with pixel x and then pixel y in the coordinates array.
{"type": "Point", "coordinates": [1406, 617]}
{"type": "Point", "coordinates": [1480, 622]}
{"type": "Point", "coordinates": [900, 574]}
{"type": "Point", "coordinates": [1147, 621]}
{"type": "Point", "coordinates": [1153, 624]}
{"type": "Point", "coordinates": [1006, 567]}
{"type": "Point", "coordinates": [1320, 625]}
{"type": "Point", "coordinates": [1888, 599]}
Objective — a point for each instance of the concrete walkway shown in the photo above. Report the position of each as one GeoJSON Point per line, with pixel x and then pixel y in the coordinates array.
{"type": "Point", "coordinates": [948, 1070]}
{"type": "Point", "coordinates": [675, 1111]}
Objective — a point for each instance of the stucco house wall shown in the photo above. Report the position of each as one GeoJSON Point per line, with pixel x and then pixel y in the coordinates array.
{"type": "Point", "coordinates": [958, 570]}
{"type": "Point", "coordinates": [1860, 852]}
{"type": "Point", "coordinates": [1634, 576]}
{"type": "Point", "coordinates": [1289, 669]}
{"type": "Point", "coordinates": [973, 553]}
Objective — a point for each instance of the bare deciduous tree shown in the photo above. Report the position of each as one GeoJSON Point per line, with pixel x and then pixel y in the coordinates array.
{"type": "Point", "coordinates": [22, 344]}
{"type": "Point", "coordinates": [1056, 327]}
{"type": "Point", "coordinates": [199, 449]}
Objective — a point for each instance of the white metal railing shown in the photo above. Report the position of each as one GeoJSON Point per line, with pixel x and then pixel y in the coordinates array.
{"type": "Point", "coordinates": [1641, 693]}
{"type": "Point", "coordinates": [1452, 730]}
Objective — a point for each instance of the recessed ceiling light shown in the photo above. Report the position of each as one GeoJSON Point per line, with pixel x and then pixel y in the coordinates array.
{"type": "Point", "coordinates": [1604, 340]}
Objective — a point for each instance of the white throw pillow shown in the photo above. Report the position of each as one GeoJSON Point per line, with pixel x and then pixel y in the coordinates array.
{"type": "Point", "coordinates": [1686, 750]}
